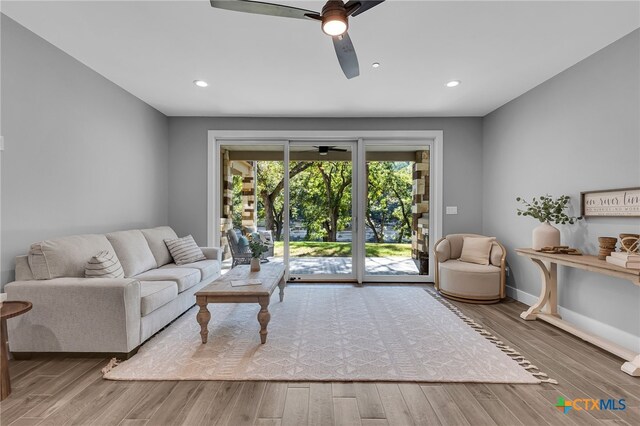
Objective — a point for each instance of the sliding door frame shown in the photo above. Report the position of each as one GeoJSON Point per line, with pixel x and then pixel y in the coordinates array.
{"type": "Point", "coordinates": [282, 137]}
{"type": "Point", "coordinates": [355, 254]}
{"type": "Point", "coordinates": [433, 209]}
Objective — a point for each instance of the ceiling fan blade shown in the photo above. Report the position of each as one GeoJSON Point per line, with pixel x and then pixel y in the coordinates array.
{"type": "Point", "coordinates": [337, 149]}
{"type": "Point", "coordinates": [363, 7]}
{"type": "Point", "coordinates": [346, 55]}
{"type": "Point", "coordinates": [261, 8]}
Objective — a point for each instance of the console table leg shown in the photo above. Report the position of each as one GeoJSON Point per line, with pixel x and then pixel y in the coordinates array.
{"type": "Point", "coordinates": [632, 367]}
{"type": "Point", "coordinates": [203, 318]}
{"type": "Point", "coordinates": [548, 300]}
{"type": "Point", "coordinates": [263, 318]}
{"type": "Point", "coordinates": [282, 285]}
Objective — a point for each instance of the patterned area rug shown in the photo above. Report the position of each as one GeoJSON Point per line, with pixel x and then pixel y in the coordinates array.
{"type": "Point", "coordinates": [329, 334]}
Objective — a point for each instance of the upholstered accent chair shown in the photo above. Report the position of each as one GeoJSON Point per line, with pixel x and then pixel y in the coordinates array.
{"type": "Point", "coordinates": [469, 282]}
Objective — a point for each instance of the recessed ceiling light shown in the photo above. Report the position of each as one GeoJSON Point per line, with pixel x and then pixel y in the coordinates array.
{"type": "Point", "coordinates": [200, 83]}
{"type": "Point", "coordinates": [375, 64]}
{"type": "Point", "coordinates": [453, 83]}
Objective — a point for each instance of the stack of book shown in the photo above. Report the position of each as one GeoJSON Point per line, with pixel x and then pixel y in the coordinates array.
{"type": "Point", "coordinates": [624, 259]}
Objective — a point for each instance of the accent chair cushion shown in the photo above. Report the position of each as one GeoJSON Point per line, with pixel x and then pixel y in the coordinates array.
{"type": "Point", "coordinates": [248, 230]}
{"type": "Point", "coordinates": [155, 238]}
{"type": "Point", "coordinates": [155, 294]}
{"type": "Point", "coordinates": [133, 251]}
{"type": "Point", "coordinates": [243, 244]}
{"type": "Point", "coordinates": [66, 256]}
{"type": "Point", "coordinates": [184, 250]}
{"type": "Point", "coordinates": [476, 250]}
{"type": "Point", "coordinates": [469, 280]}
{"type": "Point", "coordinates": [184, 277]}
{"type": "Point", "coordinates": [266, 237]}
{"type": "Point", "coordinates": [104, 265]}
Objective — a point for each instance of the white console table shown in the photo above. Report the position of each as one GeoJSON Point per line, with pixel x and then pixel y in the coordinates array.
{"type": "Point", "coordinates": [546, 307]}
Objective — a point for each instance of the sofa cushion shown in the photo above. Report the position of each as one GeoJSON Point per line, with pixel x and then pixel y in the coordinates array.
{"type": "Point", "coordinates": [66, 256]}
{"type": "Point", "coordinates": [154, 294]}
{"type": "Point", "coordinates": [104, 265]}
{"type": "Point", "coordinates": [184, 250]}
{"type": "Point", "coordinates": [23, 271]}
{"type": "Point", "coordinates": [155, 238]}
{"type": "Point", "coordinates": [184, 277]}
{"type": "Point", "coordinates": [208, 268]}
{"type": "Point", "coordinates": [133, 251]}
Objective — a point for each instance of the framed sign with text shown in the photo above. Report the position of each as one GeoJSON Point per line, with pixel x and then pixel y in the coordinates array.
{"type": "Point", "coordinates": [624, 202]}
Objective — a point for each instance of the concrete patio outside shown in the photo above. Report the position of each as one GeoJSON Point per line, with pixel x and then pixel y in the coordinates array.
{"type": "Point", "coordinates": [392, 266]}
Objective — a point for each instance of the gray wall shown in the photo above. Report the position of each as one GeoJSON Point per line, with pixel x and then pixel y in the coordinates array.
{"type": "Point", "coordinates": [578, 131]}
{"type": "Point", "coordinates": [188, 162]}
{"type": "Point", "coordinates": [82, 155]}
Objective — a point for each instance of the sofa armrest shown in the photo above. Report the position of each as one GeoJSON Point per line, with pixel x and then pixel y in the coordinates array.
{"type": "Point", "coordinates": [213, 253]}
{"type": "Point", "coordinates": [76, 315]}
{"type": "Point", "coordinates": [442, 250]}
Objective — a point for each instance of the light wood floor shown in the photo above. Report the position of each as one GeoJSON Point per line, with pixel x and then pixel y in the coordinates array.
{"type": "Point", "coordinates": [71, 391]}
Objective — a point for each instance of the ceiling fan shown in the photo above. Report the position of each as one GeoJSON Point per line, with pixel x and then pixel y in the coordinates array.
{"type": "Point", "coordinates": [334, 17]}
{"type": "Point", "coordinates": [324, 150]}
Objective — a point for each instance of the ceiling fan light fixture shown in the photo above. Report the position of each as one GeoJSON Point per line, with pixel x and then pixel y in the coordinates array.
{"type": "Point", "coordinates": [334, 26]}
{"type": "Point", "coordinates": [334, 18]}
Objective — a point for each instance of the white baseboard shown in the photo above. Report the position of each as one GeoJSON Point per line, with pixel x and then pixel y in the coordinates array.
{"type": "Point", "coordinates": [621, 337]}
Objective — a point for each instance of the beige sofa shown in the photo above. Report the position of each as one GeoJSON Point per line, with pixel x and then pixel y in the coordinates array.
{"type": "Point", "coordinates": [469, 282]}
{"type": "Point", "coordinates": [73, 314]}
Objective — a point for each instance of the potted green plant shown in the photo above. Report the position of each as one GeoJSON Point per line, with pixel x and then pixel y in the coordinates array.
{"type": "Point", "coordinates": [257, 248]}
{"type": "Point", "coordinates": [547, 209]}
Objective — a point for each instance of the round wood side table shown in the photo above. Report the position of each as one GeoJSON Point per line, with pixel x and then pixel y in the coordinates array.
{"type": "Point", "coordinates": [9, 309]}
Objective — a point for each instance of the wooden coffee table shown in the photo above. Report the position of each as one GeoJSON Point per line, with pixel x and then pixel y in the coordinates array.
{"type": "Point", "coordinates": [9, 309]}
{"type": "Point", "coordinates": [271, 276]}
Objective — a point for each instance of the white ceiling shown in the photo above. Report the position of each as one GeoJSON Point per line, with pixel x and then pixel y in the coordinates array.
{"type": "Point", "coordinates": [269, 66]}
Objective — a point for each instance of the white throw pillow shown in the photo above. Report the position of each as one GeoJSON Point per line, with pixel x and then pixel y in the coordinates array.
{"type": "Point", "coordinates": [104, 265]}
{"type": "Point", "coordinates": [184, 250]}
{"type": "Point", "coordinates": [476, 250]}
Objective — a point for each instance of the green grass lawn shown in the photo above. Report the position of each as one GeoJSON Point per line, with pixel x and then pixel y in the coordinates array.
{"type": "Point", "coordinates": [319, 249]}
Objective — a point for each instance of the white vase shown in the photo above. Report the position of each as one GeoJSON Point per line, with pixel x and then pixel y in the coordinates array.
{"type": "Point", "coordinates": [545, 235]}
{"type": "Point", "coordinates": [255, 264]}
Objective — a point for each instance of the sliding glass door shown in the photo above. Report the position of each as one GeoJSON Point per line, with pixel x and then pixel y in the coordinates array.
{"type": "Point", "coordinates": [321, 205]}
{"type": "Point", "coordinates": [252, 198]}
{"type": "Point", "coordinates": [396, 211]}
{"type": "Point", "coordinates": [331, 209]}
